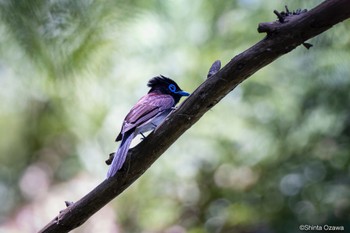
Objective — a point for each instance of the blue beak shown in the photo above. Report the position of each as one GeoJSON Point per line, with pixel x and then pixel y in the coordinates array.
{"type": "Point", "coordinates": [183, 93]}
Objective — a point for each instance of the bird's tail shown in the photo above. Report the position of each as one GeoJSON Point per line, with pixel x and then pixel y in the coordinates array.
{"type": "Point", "coordinates": [120, 154]}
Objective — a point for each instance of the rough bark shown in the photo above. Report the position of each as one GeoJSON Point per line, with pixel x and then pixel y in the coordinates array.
{"type": "Point", "coordinates": [281, 38]}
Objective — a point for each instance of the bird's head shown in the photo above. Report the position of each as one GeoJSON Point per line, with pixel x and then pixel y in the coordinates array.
{"type": "Point", "coordinates": [164, 85]}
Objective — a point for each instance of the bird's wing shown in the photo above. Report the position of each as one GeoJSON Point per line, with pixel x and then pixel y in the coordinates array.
{"type": "Point", "coordinates": [146, 108]}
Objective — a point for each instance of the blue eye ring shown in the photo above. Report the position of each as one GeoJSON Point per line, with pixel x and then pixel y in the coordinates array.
{"type": "Point", "coordinates": [172, 88]}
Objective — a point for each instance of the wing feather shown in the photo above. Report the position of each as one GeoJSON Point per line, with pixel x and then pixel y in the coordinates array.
{"type": "Point", "coordinates": [146, 108]}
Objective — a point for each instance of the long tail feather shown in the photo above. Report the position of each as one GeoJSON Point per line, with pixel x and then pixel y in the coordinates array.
{"type": "Point", "coordinates": [120, 154]}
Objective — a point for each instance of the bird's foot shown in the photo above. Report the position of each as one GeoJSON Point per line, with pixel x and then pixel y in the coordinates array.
{"type": "Point", "coordinates": [110, 159]}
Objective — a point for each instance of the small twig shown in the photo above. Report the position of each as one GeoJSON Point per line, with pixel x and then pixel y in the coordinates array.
{"type": "Point", "coordinates": [287, 10]}
{"type": "Point", "coordinates": [279, 16]}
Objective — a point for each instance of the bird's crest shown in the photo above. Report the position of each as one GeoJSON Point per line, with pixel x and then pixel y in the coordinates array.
{"type": "Point", "coordinates": [160, 80]}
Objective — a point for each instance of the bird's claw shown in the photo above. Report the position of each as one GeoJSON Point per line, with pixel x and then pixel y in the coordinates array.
{"type": "Point", "coordinates": [142, 136]}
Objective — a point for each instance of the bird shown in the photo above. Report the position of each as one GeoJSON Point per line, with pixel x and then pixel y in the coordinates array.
{"type": "Point", "coordinates": [146, 115]}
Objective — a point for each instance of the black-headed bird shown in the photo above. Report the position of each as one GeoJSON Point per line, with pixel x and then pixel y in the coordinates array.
{"type": "Point", "coordinates": [146, 115]}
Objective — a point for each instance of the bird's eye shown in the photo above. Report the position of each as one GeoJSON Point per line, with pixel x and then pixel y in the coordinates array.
{"type": "Point", "coordinates": [172, 88]}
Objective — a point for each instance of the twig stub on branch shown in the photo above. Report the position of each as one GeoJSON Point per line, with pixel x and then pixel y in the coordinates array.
{"type": "Point", "coordinates": [215, 67]}
{"type": "Point", "coordinates": [283, 17]}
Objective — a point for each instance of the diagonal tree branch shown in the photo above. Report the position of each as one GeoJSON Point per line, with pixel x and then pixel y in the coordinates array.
{"type": "Point", "coordinates": [281, 38]}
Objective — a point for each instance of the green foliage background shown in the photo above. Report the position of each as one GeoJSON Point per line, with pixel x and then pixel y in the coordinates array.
{"type": "Point", "coordinates": [272, 155]}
